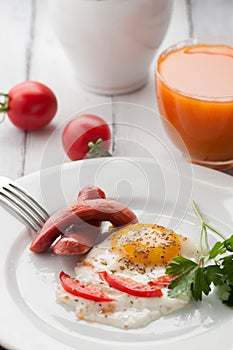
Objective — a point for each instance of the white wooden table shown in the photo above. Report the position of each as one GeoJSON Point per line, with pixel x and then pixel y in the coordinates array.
{"type": "Point", "coordinates": [30, 50]}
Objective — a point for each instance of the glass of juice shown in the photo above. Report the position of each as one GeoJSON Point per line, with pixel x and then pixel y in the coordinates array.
{"type": "Point", "coordinates": [194, 87]}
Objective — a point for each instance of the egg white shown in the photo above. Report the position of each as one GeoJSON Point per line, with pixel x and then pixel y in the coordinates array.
{"type": "Point", "coordinates": [128, 311]}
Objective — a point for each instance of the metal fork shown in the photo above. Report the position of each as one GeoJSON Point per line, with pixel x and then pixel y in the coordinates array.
{"type": "Point", "coordinates": [22, 204]}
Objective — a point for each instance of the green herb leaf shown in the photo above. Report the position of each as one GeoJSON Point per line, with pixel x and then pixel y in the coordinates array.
{"type": "Point", "coordinates": [218, 248]}
{"type": "Point", "coordinates": [221, 247]}
{"type": "Point", "coordinates": [195, 279]}
{"type": "Point", "coordinates": [224, 293]}
{"type": "Point", "coordinates": [185, 270]}
{"type": "Point", "coordinates": [227, 268]}
{"type": "Point", "coordinates": [201, 284]}
{"type": "Point", "coordinates": [214, 274]}
{"type": "Point", "coordinates": [180, 265]}
{"type": "Point", "coordinates": [229, 244]}
{"type": "Point", "coordinates": [181, 286]}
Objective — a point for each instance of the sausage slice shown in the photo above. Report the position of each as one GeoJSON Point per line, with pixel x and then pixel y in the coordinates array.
{"type": "Point", "coordinates": [94, 209]}
{"type": "Point", "coordinates": [80, 239]}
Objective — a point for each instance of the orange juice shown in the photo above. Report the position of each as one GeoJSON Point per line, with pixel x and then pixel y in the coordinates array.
{"type": "Point", "coordinates": [194, 87]}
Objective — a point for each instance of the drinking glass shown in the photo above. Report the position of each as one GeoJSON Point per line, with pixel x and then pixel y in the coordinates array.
{"type": "Point", "coordinates": [204, 121]}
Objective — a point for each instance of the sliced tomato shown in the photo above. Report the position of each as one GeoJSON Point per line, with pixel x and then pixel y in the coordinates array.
{"type": "Point", "coordinates": [161, 281]}
{"type": "Point", "coordinates": [129, 286]}
{"type": "Point", "coordinates": [75, 287]}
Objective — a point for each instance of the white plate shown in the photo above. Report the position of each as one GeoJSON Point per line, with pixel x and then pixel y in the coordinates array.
{"type": "Point", "coordinates": [30, 318]}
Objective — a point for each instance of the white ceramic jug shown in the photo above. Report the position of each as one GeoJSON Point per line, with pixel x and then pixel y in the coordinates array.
{"type": "Point", "coordinates": [111, 43]}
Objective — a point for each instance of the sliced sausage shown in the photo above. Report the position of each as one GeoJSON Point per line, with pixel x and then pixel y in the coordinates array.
{"type": "Point", "coordinates": [77, 243]}
{"type": "Point", "coordinates": [95, 209]}
{"type": "Point", "coordinates": [90, 192]}
{"type": "Point", "coordinates": [70, 245]}
{"type": "Point", "coordinates": [80, 239]}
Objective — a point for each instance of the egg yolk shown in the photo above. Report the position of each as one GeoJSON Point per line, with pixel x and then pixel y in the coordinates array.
{"type": "Point", "coordinates": [147, 244]}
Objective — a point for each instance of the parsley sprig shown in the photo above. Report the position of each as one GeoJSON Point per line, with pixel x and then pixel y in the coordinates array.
{"type": "Point", "coordinates": [214, 267]}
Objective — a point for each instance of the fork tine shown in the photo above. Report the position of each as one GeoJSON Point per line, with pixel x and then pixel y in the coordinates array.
{"type": "Point", "coordinates": [23, 204]}
{"type": "Point", "coordinates": [19, 212]}
{"type": "Point", "coordinates": [28, 197]}
{"type": "Point", "coordinates": [29, 203]}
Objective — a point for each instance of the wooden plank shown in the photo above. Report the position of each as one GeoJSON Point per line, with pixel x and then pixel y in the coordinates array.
{"type": "Point", "coordinates": [144, 121]}
{"type": "Point", "coordinates": [212, 17]}
{"type": "Point", "coordinates": [15, 37]}
{"type": "Point", "coordinates": [50, 65]}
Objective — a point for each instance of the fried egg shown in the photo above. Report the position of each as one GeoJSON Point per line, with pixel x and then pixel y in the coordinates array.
{"type": "Point", "coordinates": [140, 252]}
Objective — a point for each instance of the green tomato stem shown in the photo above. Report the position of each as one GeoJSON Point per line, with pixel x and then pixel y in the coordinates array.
{"type": "Point", "coordinates": [97, 150]}
{"type": "Point", "coordinates": [4, 105]}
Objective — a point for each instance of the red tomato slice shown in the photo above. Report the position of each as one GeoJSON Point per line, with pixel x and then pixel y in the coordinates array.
{"type": "Point", "coordinates": [161, 281]}
{"type": "Point", "coordinates": [75, 287]}
{"type": "Point", "coordinates": [128, 285]}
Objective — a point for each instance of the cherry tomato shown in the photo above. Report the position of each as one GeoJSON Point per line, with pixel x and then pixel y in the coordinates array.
{"type": "Point", "coordinates": [32, 105]}
{"type": "Point", "coordinates": [129, 286]}
{"type": "Point", "coordinates": [75, 287]}
{"type": "Point", "coordinates": [82, 130]}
